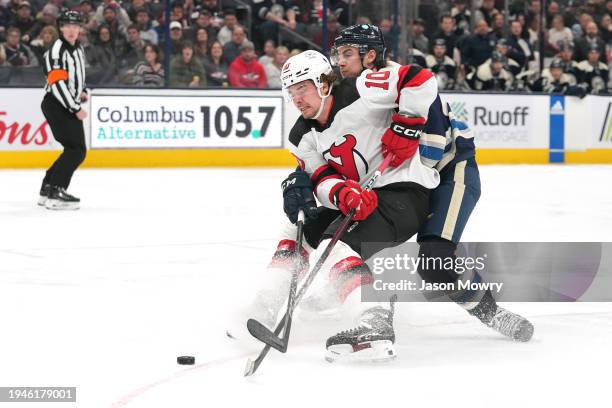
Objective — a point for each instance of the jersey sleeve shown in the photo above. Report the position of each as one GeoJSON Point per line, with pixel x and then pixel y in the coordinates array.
{"type": "Point", "coordinates": [303, 146]}
{"type": "Point", "coordinates": [433, 139]}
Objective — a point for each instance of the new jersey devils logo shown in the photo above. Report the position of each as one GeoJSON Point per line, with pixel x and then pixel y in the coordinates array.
{"type": "Point", "coordinates": [350, 160]}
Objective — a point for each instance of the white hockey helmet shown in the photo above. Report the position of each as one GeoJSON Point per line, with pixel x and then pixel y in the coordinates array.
{"type": "Point", "coordinates": [307, 65]}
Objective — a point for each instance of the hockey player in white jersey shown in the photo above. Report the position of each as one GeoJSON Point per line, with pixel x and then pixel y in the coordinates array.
{"type": "Point", "coordinates": [447, 145]}
{"type": "Point", "coordinates": [343, 134]}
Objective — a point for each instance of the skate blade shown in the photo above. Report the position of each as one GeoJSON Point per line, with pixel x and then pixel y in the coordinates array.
{"type": "Point", "coordinates": [375, 351]}
{"type": "Point", "coordinates": [57, 205]}
{"type": "Point", "coordinates": [42, 200]}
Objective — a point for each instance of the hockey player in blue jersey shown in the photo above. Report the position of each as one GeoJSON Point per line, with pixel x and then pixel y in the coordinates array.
{"type": "Point", "coordinates": [446, 144]}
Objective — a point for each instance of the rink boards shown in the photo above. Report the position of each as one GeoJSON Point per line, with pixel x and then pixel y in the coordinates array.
{"type": "Point", "coordinates": [241, 128]}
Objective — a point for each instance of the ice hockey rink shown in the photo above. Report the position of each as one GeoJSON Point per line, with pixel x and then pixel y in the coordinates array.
{"type": "Point", "coordinates": [155, 261]}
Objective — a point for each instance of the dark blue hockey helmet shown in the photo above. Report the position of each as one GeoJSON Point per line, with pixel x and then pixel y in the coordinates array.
{"type": "Point", "coordinates": [364, 37]}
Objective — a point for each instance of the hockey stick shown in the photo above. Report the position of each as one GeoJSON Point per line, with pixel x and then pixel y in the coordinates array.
{"type": "Point", "coordinates": [260, 331]}
{"type": "Point", "coordinates": [252, 366]}
{"type": "Point", "coordinates": [255, 327]}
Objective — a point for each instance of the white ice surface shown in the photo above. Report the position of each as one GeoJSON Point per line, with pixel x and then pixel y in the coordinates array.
{"type": "Point", "coordinates": [105, 298]}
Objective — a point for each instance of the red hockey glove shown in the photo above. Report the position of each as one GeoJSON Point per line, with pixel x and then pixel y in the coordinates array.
{"type": "Point", "coordinates": [349, 195]}
{"type": "Point", "coordinates": [402, 138]}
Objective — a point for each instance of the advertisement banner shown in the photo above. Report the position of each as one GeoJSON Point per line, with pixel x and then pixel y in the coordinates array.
{"type": "Point", "coordinates": [503, 121]}
{"type": "Point", "coordinates": [601, 111]}
{"type": "Point", "coordinates": [185, 121]}
{"type": "Point", "coordinates": [22, 124]}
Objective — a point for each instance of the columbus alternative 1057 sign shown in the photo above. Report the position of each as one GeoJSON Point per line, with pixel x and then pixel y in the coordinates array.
{"type": "Point", "coordinates": [167, 121]}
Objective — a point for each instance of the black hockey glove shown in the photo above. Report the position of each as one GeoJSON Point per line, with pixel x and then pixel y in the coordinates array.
{"type": "Point", "coordinates": [298, 195]}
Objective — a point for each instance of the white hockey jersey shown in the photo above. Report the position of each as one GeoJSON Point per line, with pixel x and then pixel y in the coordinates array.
{"type": "Point", "coordinates": [349, 145]}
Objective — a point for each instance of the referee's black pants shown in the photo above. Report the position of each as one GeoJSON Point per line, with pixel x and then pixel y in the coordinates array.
{"type": "Point", "coordinates": [68, 131]}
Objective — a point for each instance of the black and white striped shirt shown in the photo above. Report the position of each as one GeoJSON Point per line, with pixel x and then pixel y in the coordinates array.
{"type": "Point", "coordinates": [65, 72]}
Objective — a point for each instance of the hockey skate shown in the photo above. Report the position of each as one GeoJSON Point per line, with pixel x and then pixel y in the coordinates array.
{"type": "Point", "coordinates": [371, 340]}
{"type": "Point", "coordinates": [501, 320]}
{"type": "Point", "coordinates": [44, 194]}
{"type": "Point", "coordinates": [59, 199]}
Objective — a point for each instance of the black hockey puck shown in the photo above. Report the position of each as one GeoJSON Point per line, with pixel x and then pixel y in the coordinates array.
{"type": "Point", "coordinates": [185, 360]}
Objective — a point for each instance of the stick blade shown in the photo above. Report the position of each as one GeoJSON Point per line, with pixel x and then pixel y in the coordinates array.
{"type": "Point", "coordinates": [263, 334]}
{"type": "Point", "coordinates": [250, 368]}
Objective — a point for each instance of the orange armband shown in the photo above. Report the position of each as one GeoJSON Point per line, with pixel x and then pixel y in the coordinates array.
{"type": "Point", "coordinates": [57, 75]}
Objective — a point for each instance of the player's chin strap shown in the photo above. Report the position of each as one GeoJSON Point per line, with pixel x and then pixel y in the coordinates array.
{"type": "Point", "coordinates": [323, 97]}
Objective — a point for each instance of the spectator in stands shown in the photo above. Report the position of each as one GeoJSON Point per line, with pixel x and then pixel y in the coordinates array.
{"type": "Point", "coordinates": [102, 56]}
{"type": "Point", "coordinates": [390, 33]}
{"type": "Point", "coordinates": [552, 10]}
{"type": "Point", "coordinates": [201, 44]}
{"type": "Point", "coordinates": [48, 17]}
{"type": "Point", "coordinates": [419, 40]}
{"type": "Point", "coordinates": [518, 49]}
{"type": "Point", "coordinates": [87, 11]}
{"type": "Point", "coordinates": [176, 38]}
{"type": "Point", "coordinates": [592, 73]}
{"type": "Point", "coordinates": [5, 18]}
{"type": "Point", "coordinates": [203, 20]}
{"type": "Point", "coordinates": [245, 71]}
{"type": "Point", "coordinates": [186, 70]}
{"type": "Point", "coordinates": [177, 13]}
{"type": "Point", "coordinates": [216, 66]}
{"type": "Point", "coordinates": [24, 21]}
{"type": "Point", "coordinates": [462, 16]}
{"type": "Point", "coordinates": [333, 29]}
{"type": "Point", "coordinates": [43, 42]}
{"type": "Point", "coordinates": [229, 22]}
{"type": "Point", "coordinates": [134, 48]}
{"type": "Point", "coordinates": [268, 53]}
{"type": "Point", "coordinates": [498, 25]}
{"type": "Point", "coordinates": [477, 48]}
{"type": "Point", "coordinates": [117, 26]}
{"type": "Point", "coordinates": [146, 27]}
{"type": "Point", "coordinates": [273, 68]}
{"type": "Point", "coordinates": [533, 32]}
{"type": "Point", "coordinates": [340, 9]}
{"type": "Point", "coordinates": [150, 72]}
{"type": "Point", "coordinates": [442, 65]}
{"type": "Point", "coordinates": [584, 20]}
{"type": "Point", "coordinates": [491, 76]}
{"type": "Point", "coordinates": [231, 50]}
{"type": "Point", "coordinates": [268, 15]}
{"type": "Point", "coordinates": [589, 41]}
{"type": "Point", "coordinates": [558, 34]}
{"type": "Point", "coordinates": [136, 5]}
{"type": "Point", "coordinates": [86, 43]}
{"type": "Point", "coordinates": [605, 26]}
{"type": "Point", "coordinates": [486, 12]}
{"type": "Point", "coordinates": [17, 54]}
{"type": "Point", "coordinates": [534, 9]}
{"type": "Point", "coordinates": [123, 20]}
{"type": "Point", "coordinates": [447, 33]}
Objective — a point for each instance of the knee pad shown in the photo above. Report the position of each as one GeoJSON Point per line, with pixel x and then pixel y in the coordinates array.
{"type": "Point", "coordinates": [345, 269]}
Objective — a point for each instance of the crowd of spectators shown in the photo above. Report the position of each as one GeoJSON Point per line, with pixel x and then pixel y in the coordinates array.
{"type": "Point", "coordinates": [244, 43]}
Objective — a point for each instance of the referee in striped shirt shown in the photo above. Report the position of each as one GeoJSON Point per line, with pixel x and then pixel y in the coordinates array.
{"type": "Point", "coordinates": [65, 91]}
